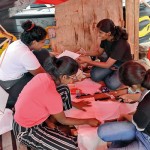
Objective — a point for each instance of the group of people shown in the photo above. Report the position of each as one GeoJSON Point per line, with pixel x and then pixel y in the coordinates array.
{"type": "Point", "coordinates": [37, 87]}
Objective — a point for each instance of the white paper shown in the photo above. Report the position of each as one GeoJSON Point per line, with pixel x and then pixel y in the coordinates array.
{"type": "Point", "coordinates": [3, 100]}
{"type": "Point", "coordinates": [70, 54]}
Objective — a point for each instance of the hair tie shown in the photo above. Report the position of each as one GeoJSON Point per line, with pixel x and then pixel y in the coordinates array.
{"type": "Point", "coordinates": [32, 26]}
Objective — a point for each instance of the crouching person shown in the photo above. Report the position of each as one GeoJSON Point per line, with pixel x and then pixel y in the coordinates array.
{"type": "Point", "coordinates": [38, 101]}
{"type": "Point", "coordinates": [132, 131]}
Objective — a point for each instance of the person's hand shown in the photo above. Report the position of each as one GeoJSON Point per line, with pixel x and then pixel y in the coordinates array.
{"type": "Point", "coordinates": [127, 98]}
{"type": "Point", "coordinates": [82, 51]}
{"type": "Point", "coordinates": [50, 123]}
{"type": "Point", "coordinates": [80, 75]}
{"type": "Point", "coordinates": [121, 117]}
{"type": "Point", "coordinates": [80, 105]}
{"type": "Point", "coordinates": [93, 122]}
{"type": "Point", "coordinates": [114, 68]}
{"type": "Point", "coordinates": [55, 53]}
{"type": "Point", "coordinates": [83, 59]}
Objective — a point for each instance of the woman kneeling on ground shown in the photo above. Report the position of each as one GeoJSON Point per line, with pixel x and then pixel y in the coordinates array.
{"type": "Point", "coordinates": [115, 46]}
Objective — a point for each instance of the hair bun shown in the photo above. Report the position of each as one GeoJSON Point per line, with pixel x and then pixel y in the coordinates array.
{"type": "Point", "coordinates": [28, 25]}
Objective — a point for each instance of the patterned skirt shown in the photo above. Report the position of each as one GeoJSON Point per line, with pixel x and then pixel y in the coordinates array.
{"type": "Point", "coordinates": [41, 137]}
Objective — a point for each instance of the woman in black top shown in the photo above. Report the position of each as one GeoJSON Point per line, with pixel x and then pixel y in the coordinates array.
{"type": "Point", "coordinates": [115, 45]}
{"type": "Point", "coordinates": [135, 132]}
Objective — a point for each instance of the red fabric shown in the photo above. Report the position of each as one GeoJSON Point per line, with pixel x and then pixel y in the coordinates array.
{"type": "Point", "coordinates": [55, 2]}
{"type": "Point", "coordinates": [148, 55]}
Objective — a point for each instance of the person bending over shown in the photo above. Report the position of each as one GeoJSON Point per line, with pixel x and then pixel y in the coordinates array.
{"type": "Point", "coordinates": [132, 131]}
{"type": "Point", "coordinates": [37, 102]}
{"type": "Point", "coordinates": [18, 64]}
{"type": "Point", "coordinates": [62, 87]}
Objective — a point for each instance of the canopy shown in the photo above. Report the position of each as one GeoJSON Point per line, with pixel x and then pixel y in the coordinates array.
{"type": "Point", "coordinates": [15, 6]}
{"type": "Point", "coordinates": [55, 2]}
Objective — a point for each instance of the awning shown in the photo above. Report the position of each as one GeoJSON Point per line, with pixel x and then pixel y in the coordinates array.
{"type": "Point", "coordinates": [55, 2]}
{"type": "Point", "coordinates": [21, 4]}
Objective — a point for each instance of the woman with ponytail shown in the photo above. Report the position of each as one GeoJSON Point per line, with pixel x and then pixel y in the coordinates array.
{"type": "Point", "coordinates": [117, 49]}
{"type": "Point", "coordinates": [18, 63]}
{"type": "Point", "coordinates": [52, 63]}
{"type": "Point", "coordinates": [39, 101]}
{"type": "Point", "coordinates": [132, 131]}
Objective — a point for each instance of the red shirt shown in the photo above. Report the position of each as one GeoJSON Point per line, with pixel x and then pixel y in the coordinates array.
{"type": "Point", "coordinates": [37, 101]}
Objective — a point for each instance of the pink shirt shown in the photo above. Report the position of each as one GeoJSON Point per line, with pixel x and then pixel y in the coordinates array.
{"type": "Point", "coordinates": [37, 101]}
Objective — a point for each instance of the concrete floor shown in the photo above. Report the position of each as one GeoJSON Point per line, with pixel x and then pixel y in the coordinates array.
{"type": "Point", "coordinates": [8, 142]}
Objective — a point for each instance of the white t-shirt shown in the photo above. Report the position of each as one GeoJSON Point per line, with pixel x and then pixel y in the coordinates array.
{"type": "Point", "coordinates": [17, 61]}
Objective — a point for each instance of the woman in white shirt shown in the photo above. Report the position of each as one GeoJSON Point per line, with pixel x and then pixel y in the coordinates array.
{"type": "Point", "coordinates": [18, 64]}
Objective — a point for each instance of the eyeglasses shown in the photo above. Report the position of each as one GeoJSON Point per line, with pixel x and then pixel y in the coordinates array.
{"type": "Point", "coordinates": [74, 77]}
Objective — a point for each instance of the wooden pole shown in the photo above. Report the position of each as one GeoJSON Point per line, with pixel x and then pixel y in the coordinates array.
{"type": "Point", "coordinates": [136, 29]}
{"type": "Point", "coordinates": [132, 25]}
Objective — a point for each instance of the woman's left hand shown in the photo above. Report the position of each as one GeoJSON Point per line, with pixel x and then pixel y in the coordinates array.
{"type": "Point", "coordinates": [121, 118]}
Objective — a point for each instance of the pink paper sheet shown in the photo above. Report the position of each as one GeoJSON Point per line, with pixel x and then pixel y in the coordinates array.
{"type": "Point", "coordinates": [87, 136]}
{"type": "Point", "coordinates": [108, 110]}
{"type": "Point", "coordinates": [88, 86]}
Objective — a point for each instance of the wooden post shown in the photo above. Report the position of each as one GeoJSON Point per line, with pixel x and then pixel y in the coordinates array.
{"type": "Point", "coordinates": [132, 25]}
{"type": "Point", "coordinates": [136, 29]}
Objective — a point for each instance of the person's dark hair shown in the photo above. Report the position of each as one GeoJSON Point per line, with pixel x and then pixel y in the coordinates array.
{"type": "Point", "coordinates": [62, 66]}
{"type": "Point", "coordinates": [107, 25]}
{"type": "Point", "coordinates": [32, 32]}
{"type": "Point", "coordinates": [41, 55]}
{"type": "Point", "coordinates": [66, 66]}
{"type": "Point", "coordinates": [133, 73]}
{"type": "Point", "coordinates": [51, 69]}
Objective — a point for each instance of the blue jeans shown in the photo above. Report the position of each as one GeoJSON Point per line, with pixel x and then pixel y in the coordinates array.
{"type": "Point", "coordinates": [110, 77]}
{"type": "Point", "coordinates": [117, 131]}
{"type": "Point", "coordinates": [123, 136]}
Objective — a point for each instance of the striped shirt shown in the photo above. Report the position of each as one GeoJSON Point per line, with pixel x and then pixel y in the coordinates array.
{"type": "Point", "coordinates": [64, 91]}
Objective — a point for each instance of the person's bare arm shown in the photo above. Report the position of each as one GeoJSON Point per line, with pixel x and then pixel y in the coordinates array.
{"type": "Point", "coordinates": [37, 71]}
{"type": "Point", "coordinates": [97, 51]}
{"type": "Point", "coordinates": [60, 117]}
{"type": "Point", "coordinates": [106, 64]}
{"type": "Point", "coordinates": [54, 53]}
{"type": "Point", "coordinates": [128, 98]}
{"type": "Point", "coordinates": [128, 117]}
